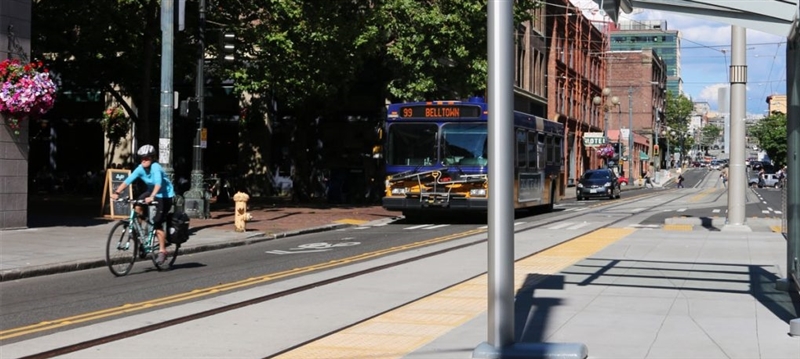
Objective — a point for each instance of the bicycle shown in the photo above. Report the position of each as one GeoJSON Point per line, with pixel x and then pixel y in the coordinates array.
{"type": "Point", "coordinates": [125, 242]}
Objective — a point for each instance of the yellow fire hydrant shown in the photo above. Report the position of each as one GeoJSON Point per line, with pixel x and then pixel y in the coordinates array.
{"type": "Point", "coordinates": [240, 214]}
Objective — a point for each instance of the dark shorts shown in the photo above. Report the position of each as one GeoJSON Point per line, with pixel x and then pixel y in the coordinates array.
{"type": "Point", "coordinates": [163, 207]}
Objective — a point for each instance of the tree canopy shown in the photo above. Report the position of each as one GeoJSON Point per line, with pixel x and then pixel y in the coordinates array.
{"type": "Point", "coordinates": [677, 115]}
{"type": "Point", "coordinates": [301, 52]}
{"type": "Point", "coordinates": [710, 134]}
{"type": "Point", "coordinates": [771, 134]}
{"type": "Point", "coordinates": [678, 111]}
{"type": "Point", "coordinates": [107, 46]}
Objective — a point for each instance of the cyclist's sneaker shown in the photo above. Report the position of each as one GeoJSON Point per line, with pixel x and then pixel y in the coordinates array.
{"type": "Point", "coordinates": [162, 256]}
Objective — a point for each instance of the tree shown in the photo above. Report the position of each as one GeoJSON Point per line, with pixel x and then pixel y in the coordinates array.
{"type": "Point", "coordinates": [677, 114]}
{"type": "Point", "coordinates": [437, 49]}
{"type": "Point", "coordinates": [771, 134]}
{"type": "Point", "coordinates": [710, 134]}
{"type": "Point", "coordinates": [107, 46]}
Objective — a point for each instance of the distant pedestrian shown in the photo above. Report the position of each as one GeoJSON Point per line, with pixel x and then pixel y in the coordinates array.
{"type": "Point", "coordinates": [680, 181]}
{"type": "Point", "coordinates": [724, 177]}
{"type": "Point", "coordinates": [647, 180]}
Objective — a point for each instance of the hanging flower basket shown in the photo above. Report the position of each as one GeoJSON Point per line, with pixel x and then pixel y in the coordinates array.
{"type": "Point", "coordinates": [26, 91]}
{"type": "Point", "coordinates": [116, 124]}
{"type": "Point", "coordinates": [606, 151]}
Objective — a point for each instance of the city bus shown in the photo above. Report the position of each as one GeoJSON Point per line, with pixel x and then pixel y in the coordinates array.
{"type": "Point", "coordinates": [436, 158]}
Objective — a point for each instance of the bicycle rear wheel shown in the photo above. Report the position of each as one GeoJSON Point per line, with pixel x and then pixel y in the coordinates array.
{"type": "Point", "coordinates": [121, 249]}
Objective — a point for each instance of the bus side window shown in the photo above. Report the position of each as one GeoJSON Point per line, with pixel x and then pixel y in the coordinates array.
{"type": "Point", "coordinates": [541, 150]}
{"type": "Point", "coordinates": [522, 151]}
{"type": "Point", "coordinates": [532, 155]}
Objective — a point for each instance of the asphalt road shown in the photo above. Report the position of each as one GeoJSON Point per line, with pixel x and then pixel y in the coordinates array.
{"type": "Point", "coordinates": [56, 297]}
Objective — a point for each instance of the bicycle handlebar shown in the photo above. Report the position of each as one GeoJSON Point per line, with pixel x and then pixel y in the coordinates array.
{"type": "Point", "coordinates": [136, 201]}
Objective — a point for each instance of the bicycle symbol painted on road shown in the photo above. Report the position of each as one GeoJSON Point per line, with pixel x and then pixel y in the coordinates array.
{"type": "Point", "coordinates": [313, 248]}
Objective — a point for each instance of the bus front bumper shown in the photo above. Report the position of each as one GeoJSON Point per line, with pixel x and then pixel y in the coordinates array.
{"type": "Point", "coordinates": [415, 203]}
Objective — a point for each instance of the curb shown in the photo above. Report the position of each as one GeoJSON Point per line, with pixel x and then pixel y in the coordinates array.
{"type": "Point", "coordinates": [47, 269]}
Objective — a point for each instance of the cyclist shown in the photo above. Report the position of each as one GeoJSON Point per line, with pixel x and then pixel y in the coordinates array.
{"type": "Point", "coordinates": [158, 187]}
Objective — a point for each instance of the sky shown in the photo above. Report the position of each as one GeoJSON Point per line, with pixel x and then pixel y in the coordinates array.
{"type": "Point", "coordinates": [705, 57]}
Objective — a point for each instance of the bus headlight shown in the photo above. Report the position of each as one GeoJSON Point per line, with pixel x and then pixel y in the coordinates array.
{"type": "Point", "coordinates": [479, 192]}
{"type": "Point", "coordinates": [399, 191]}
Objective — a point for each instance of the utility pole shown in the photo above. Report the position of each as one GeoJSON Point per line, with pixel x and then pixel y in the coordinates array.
{"type": "Point", "coordinates": [657, 158]}
{"type": "Point", "coordinates": [738, 180]}
{"type": "Point", "coordinates": [196, 201]}
{"type": "Point", "coordinates": [167, 95]}
{"type": "Point", "coordinates": [630, 134]}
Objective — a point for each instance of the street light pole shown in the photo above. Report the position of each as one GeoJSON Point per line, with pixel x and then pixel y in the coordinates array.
{"type": "Point", "coordinates": [630, 134]}
{"type": "Point", "coordinates": [657, 157]}
{"type": "Point", "coordinates": [167, 96]}
{"type": "Point", "coordinates": [196, 203]}
{"type": "Point", "coordinates": [607, 101]}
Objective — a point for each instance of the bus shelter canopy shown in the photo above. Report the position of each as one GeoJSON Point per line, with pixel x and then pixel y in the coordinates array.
{"type": "Point", "coordinates": [770, 16]}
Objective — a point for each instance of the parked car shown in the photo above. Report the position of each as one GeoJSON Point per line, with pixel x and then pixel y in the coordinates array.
{"type": "Point", "coordinates": [598, 183]}
{"type": "Point", "coordinates": [770, 180]}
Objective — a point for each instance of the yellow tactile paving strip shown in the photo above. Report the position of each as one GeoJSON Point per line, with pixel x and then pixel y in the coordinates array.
{"type": "Point", "coordinates": [701, 195]}
{"type": "Point", "coordinates": [776, 229]}
{"type": "Point", "coordinates": [677, 227]}
{"type": "Point", "coordinates": [405, 329]}
{"type": "Point", "coordinates": [355, 222]}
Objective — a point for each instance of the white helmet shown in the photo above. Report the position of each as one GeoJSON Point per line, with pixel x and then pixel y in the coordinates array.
{"type": "Point", "coordinates": [146, 151]}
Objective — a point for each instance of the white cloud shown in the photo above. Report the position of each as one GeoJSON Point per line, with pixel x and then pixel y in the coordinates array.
{"type": "Point", "coordinates": [710, 94]}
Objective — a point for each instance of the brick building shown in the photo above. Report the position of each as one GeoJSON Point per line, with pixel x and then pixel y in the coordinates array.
{"type": "Point", "coordinates": [575, 76]}
{"type": "Point", "coordinates": [639, 79]}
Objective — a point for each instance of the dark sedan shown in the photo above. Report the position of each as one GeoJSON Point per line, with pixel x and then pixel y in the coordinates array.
{"type": "Point", "coordinates": [598, 183]}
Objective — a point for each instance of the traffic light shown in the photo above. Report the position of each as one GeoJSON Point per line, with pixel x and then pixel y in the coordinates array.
{"type": "Point", "coordinates": [655, 150]}
{"type": "Point", "coordinates": [228, 46]}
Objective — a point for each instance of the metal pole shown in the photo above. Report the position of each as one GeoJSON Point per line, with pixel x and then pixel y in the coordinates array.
{"type": "Point", "coordinates": [501, 207]}
{"type": "Point", "coordinates": [501, 181]}
{"type": "Point", "coordinates": [737, 176]}
{"type": "Point", "coordinates": [196, 205]}
{"type": "Point", "coordinates": [630, 135]}
{"type": "Point", "coordinates": [657, 159]}
{"type": "Point", "coordinates": [619, 143]}
{"type": "Point", "coordinates": [167, 95]}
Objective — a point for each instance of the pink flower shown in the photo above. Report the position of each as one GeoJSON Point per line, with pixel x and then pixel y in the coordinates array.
{"type": "Point", "coordinates": [25, 91]}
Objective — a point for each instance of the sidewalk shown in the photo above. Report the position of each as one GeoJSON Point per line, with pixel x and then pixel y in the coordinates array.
{"type": "Point", "coordinates": [62, 244]}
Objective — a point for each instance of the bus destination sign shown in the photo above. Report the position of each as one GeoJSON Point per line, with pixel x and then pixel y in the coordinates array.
{"type": "Point", "coordinates": [440, 111]}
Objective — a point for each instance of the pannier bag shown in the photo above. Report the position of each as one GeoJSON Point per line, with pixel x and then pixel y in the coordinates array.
{"type": "Point", "coordinates": [179, 228]}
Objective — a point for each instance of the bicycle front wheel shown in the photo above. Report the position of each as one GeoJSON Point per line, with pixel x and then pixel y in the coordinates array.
{"type": "Point", "coordinates": [121, 249]}
{"type": "Point", "coordinates": [169, 260]}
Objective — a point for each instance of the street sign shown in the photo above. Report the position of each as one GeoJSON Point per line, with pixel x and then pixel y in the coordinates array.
{"type": "Point", "coordinates": [593, 139]}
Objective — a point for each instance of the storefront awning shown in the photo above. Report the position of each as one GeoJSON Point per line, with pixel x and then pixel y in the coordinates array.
{"type": "Point", "coordinates": [643, 156]}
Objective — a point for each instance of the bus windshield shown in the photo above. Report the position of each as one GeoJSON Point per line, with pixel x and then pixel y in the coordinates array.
{"type": "Point", "coordinates": [411, 144]}
{"type": "Point", "coordinates": [464, 144]}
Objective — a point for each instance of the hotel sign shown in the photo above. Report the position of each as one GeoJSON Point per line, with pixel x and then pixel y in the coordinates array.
{"type": "Point", "coordinates": [593, 139]}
